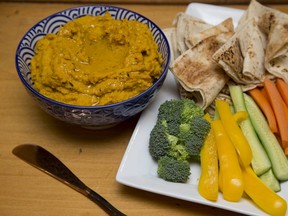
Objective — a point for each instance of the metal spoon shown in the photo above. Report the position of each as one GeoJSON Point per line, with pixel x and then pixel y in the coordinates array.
{"type": "Point", "coordinates": [48, 163]}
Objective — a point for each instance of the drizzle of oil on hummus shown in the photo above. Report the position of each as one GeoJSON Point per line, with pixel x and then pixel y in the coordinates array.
{"type": "Point", "coordinates": [96, 60]}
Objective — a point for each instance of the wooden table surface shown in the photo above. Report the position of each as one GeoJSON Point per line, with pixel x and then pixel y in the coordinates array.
{"type": "Point", "coordinates": [94, 156]}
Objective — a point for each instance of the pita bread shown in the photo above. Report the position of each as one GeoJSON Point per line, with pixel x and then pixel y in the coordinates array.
{"type": "Point", "coordinates": [254, 11]}
{"type": "Point", "coordinates": [170, 34]}
{"type": "Point", "coordinates": [198, 35]}
{"type": "Point", "coordinates": [265, 16]}
{"type": "Point", "coordinates": [229, 57]}
{"type": "Point", "coordinates": [274, 24]}
{"type": "Point", "coordinates": [242, 56]}
{"type": "Point", "coordinates": [276, 58]}
{"type": "Point", "coordinates": [193, 29]}
{"type": "Point", "coordinates": [200, 77]}
{"type": "Point", "coordinates": [180, 22]}
{"type": "Point", "coordinates": [275, 47]}
{"type": "Point", "coordinates": [187, 25]}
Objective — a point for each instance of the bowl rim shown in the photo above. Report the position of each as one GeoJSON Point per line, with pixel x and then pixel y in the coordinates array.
{"type": "Point", "coordinates": [71, 106]}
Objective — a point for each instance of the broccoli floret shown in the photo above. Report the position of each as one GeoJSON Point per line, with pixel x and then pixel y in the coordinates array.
{"type": "Point", "coordinates": [173, 170]}
{"type": "Point", "coordinates": [170, 112]}
{"type": "Point", "coordinates": [162, 143]}
{"type": "Point", "coordinates": [177, 112]}
{"type": "Point", "coordinates": [178, 134]}
{"type": "Point", "coordinates": [179, 152]}
{"type": "Point", "coordinates": [193, 137]}
{"type": "Point", "coordinates": [200, 127]}
{"type": "Point", "coordinates": [160, 140]}
{"type": "Point", "coordinates": [190, 110]}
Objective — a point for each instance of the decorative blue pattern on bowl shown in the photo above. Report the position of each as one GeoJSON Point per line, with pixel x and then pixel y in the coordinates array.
{"type": "Point", "coordinates": [93, 116]}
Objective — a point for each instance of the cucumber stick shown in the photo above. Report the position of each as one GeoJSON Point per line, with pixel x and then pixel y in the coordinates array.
{"type": "Point", "coordinates": [260, 162]}
{"type": "Point", "coordinates": [272, 146]}
{"type": "Point", "coordinates": [271, 181]}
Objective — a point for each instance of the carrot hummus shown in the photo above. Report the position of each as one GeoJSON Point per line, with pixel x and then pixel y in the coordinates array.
{"type": "Point", "coordinates": [96, 60]}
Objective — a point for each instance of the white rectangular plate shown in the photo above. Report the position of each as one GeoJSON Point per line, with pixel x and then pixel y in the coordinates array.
{"type": "Point", "coordinates": [139, 170]}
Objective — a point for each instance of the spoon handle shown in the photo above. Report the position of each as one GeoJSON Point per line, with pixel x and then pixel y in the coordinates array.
{"type": "Point", "coordinates": [43, 160]}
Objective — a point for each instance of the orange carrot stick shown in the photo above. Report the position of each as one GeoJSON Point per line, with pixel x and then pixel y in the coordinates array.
{"type": "Point", "coordinates": [286, 117]}
{"type": "Point", "coordinates": [265, 106]}
{"type": "Point", "coordinates": [282, 87]}
{"type": "Point", "coordinates": [263, 91]}
{"type": "Point", "coordinates": [275, 100]}
{"type": "Point", "coordinates": [285, 110]}
{"type": "Point", "coordinates": [276, 133]}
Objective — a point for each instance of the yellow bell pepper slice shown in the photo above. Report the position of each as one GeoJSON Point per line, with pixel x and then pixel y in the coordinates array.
{"type": "Point", "coordinates": [220, 181]}
{"type": "Point", "coordinates": [208, 182]}
{"type": "Point", "coordinates": [262, 195]}
{"type": "Point", "coordinates": [240, 116]}
{"type": "Point", "coordinates": [234, 132]}
{"type": "Point", "coordinates": [232, 184]}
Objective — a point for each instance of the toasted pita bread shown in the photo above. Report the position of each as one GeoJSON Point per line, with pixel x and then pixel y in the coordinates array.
{"type": "Point", "coordinates": [193, 29]}
{"type": "Point", "coordinates": [242, 56]}
{"type": "Point", "coordinates": [276, 58]}
{"type": "Point", "coordinates": [256, 11]}
{"type": "Point", "coordinates": [274, 24]}
{"type": "Point", "coordinates": [187, 25]}
{"type": "Point", "coordinates": [180, 23]}
{"type": "Point", "coordinates": [198, 35]}
{"type": "Point", "coordinates": [200, 77]}
{"type": "Point", "coordinates": [170, 34]}
{"type": "Point", "coordinates": [229, 57]}
{"type": "Point", "coordinates": [265, 16]}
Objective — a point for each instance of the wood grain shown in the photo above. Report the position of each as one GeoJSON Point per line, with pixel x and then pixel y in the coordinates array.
{"type": "Point", "coordinates": [174, 2]}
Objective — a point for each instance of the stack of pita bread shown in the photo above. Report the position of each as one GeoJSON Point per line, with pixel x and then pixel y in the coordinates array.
{"type": "Point", "coordinates": [206, 57]}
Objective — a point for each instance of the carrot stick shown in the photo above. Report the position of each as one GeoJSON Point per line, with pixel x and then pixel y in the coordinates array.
{"type": "Point", "coordinates": [276, 133]}
{"type": "Point", "coordinates": [265, 106]}
{"type": "Point", "coordinates": [286, 151]}
{"type": "Point", "coordinates": [263, 91]}
{"type": "Point", "coordinates": [275, 100]}
{"type": "Point", "coordinates": [285, 110]}
{"type": "Point", "coordinates": [286, 117]}
{"type": "Point", "coordinates": [282, 87]}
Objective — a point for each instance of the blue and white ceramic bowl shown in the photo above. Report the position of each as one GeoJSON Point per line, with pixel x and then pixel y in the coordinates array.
{"type": "Point", "coordinates": [88, 116]}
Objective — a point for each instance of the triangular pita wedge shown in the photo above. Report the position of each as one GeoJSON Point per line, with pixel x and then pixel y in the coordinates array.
{"type": "Point", "coordinates": [229, 57]}
{"type": "Point", "coordinates": [187, 25]}
{"type": "Point", "coordinates": [256, 11]}
{"type": "Point", "coordinates": [265, 16]}
{"type": "Point", "coordinates": [195, 37]}
{"type": "Point", "coordinates": [242, 56]}
{"type": "Point", "coordinates": [274, 24]}
{"type": "Point", "coordinates": [200, 77]}
{"type": "Point", "coordinates": [276, 58]}
{"type": "Point", "coordinates": [193, 28]}
{"type": "Point", "coordinates": [170, 34]}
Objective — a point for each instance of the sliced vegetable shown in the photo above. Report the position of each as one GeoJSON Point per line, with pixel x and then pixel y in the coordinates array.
{"type": "Point", "coordinates": [220, 181]}
{"type": "Point", "coordinates": [270, 180]}
{"type": "Point", "coordinates": [234, 132]}
{"type": "Point", "coordinates": [282, 87]}
{"type": "Point", "coordinates": [275, 100]}
{"type": "Point", "coordinates": [265, 94]}
{"type": "Point", "coordinates": [285, 147]}
{"type": "Point", "coordinates": [240, 116]}
{"type": "Point", "coordinates": [262, 195]}
{"type": "Point", "coordinates": [232, 184]}
{"type": "Point", "coordinates": [276, 155]}
{"type": "Point", "coordinates": [265, 106]}
{"type": "Point", "coordinates": [208, 182]}
{"type": "Point", "coordinates": [260, 161]}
